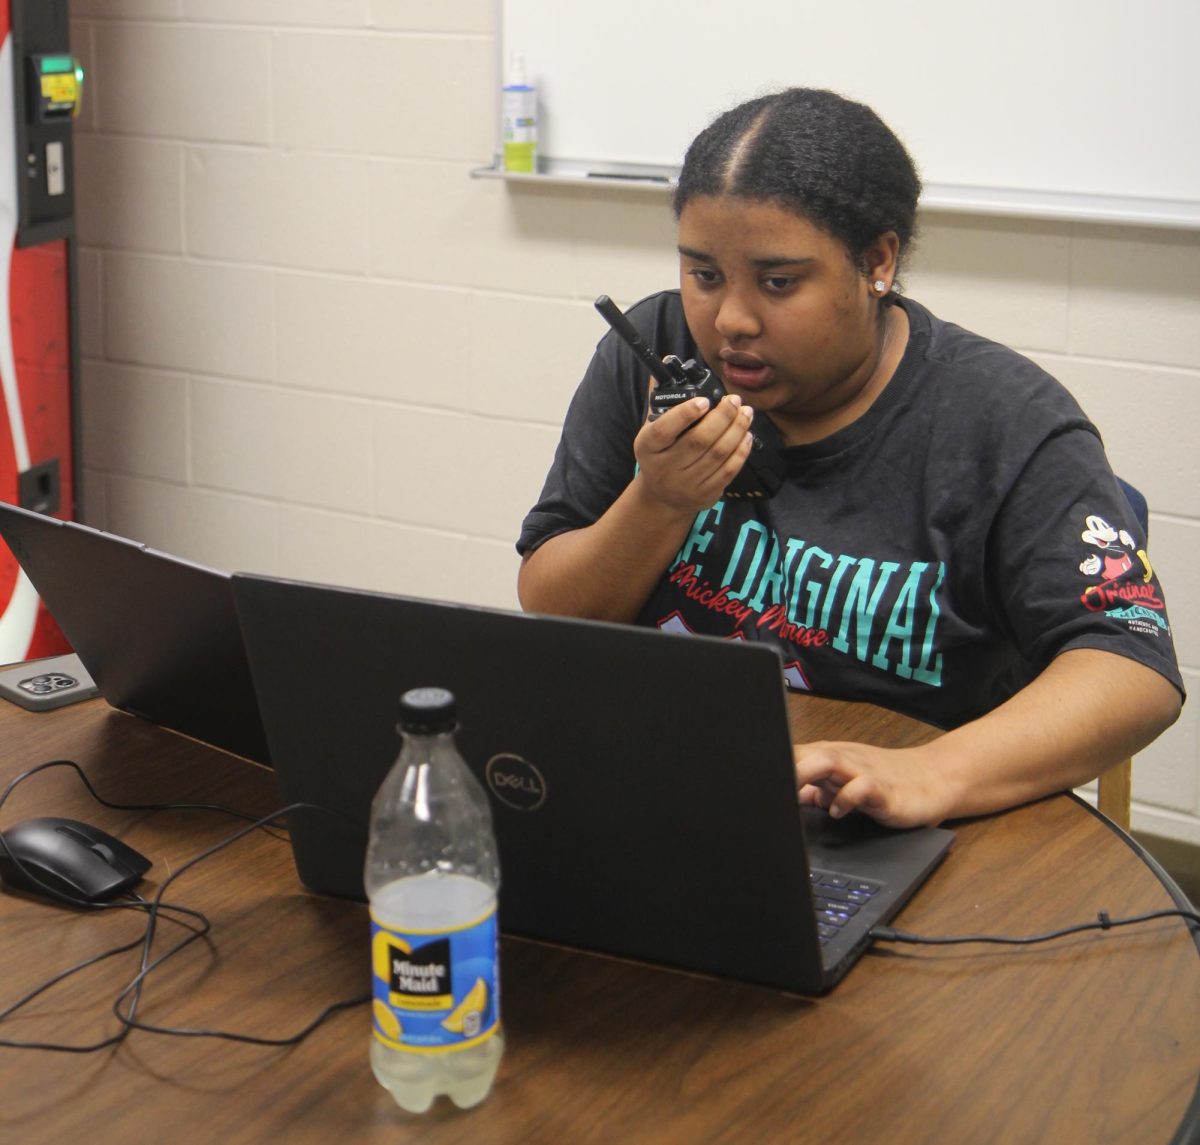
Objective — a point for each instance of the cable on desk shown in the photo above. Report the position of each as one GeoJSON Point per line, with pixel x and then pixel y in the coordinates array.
{"type": "Point", "coordinates": [111, 952]}
{"type": "Point", "coordinates": [115, 1039]}
{"type": "Point", "coordinates": [129, 1022]}
{"type": "Point", "coordinates": [70, 763]}
{"type": "Point", "coordinates": [1103, 922]}
{"type": "Point", "coordinates": [132, 992]}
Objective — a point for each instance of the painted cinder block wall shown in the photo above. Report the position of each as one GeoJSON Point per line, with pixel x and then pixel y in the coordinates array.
{"type": "Point", "coordinates": [314, 346]}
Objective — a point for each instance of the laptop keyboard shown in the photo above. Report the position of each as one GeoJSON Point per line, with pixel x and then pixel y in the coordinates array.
{"type": "Point", "coordinates": [838, 898]}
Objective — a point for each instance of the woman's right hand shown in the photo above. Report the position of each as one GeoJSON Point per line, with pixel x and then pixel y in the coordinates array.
{"type": "Point", "coordinates": [686, 468]}
{"type": "Point", "coordinates": [608, 569]}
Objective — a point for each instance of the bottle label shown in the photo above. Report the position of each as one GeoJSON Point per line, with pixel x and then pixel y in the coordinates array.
{"type": "Point", "coordinates": [435, 991]}
{"type": "Point", "coordinates": [519, 129]}
{"type": "Point", "coordinates": [521, 157]}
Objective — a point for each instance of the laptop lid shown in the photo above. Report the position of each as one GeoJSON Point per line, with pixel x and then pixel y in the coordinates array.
{"type": "Point", "coordinates": [641, 784]}
{"type": "Point", "coordinates": [158, 634]}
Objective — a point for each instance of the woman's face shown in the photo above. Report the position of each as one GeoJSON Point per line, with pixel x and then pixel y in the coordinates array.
{"type": "Point", "coordinates": [780, 312]}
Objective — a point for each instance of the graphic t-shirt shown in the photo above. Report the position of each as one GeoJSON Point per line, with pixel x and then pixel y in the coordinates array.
{"type": "Point", "coordinates": [931, 557]}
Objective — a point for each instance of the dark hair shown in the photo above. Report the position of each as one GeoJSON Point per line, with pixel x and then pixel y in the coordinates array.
{"type": "Point", "coordinates": [814, 152]}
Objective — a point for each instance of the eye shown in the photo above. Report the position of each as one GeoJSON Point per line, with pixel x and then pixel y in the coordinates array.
{"type": "Point", "coordinates": [779, 283]}
{"type": "Point", "coordinates": [704, 275]}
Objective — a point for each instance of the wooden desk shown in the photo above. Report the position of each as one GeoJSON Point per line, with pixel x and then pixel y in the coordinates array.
{"type": "Point", "coordinates": [1090, 1039]}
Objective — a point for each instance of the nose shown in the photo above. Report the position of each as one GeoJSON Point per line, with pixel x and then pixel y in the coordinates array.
{"type": "Point", "coordinates": [736, 318]}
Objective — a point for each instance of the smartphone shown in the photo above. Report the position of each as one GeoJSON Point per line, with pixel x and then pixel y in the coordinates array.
{"type": "Point", "coordinates": [52, 682]}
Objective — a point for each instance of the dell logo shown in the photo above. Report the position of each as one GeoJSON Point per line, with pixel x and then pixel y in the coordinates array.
{"type": "Point", "coordinates": [515, 782]}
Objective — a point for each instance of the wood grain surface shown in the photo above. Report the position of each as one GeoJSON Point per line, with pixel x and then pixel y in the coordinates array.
{"type": "Point", "coordinates": [1091, 1039]}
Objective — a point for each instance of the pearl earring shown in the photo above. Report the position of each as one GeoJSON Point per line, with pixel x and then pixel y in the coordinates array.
{"type": "Point", "coordinates": [879, 286]}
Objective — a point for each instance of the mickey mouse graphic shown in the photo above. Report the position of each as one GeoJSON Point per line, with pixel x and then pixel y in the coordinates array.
{"type": "Point", "coordinates": [1131, 598]}
{"type": "Point", "coordinates": [1116, 560]}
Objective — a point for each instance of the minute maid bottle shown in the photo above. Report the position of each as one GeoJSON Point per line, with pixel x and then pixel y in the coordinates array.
{"type": "Point", "coordinates": [432, 876]}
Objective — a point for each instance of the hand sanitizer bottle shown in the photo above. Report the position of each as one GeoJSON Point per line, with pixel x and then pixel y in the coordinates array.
{"type": "Point", "coordinates": [519, 112]}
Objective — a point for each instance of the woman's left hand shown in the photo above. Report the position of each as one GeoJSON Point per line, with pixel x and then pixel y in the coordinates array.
{"type": "Point", "coordinates": [891, 785]}
{"type": "Point", "coordinates": [1088, 710]}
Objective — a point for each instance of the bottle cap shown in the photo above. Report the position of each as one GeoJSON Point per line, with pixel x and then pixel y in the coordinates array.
{"type": "Point", "coordinates": [428, 710]}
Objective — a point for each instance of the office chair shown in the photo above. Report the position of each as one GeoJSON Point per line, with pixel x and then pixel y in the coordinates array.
{"type": "Point", "coordinates": [1115, 788]}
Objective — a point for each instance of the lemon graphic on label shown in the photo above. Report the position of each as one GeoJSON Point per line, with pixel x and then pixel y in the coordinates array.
{"type": "Point", "coordinates": [464, 1018]}
{"type": "Point", "coordinates": [387, 1022]}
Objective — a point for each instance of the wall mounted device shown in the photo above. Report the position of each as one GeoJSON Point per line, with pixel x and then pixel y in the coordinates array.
{"type": "Point", "coordinates": [50, 97]}
{"type": "Point", "coordinates": [41, 92]}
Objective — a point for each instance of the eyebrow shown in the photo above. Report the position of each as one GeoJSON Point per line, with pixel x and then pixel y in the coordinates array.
{"type": "Point", "coordinates": [763, 263]}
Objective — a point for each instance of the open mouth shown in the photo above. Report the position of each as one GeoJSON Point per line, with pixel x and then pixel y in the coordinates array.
{"type": "Point", "coordinates": [745, 373]}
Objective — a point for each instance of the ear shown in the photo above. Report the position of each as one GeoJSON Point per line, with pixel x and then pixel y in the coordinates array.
{"type": "Point", "coordinates": [881, 260]}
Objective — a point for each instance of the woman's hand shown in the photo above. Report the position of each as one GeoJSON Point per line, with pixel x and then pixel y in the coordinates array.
{"type": "Point", "coordinates": [607, 570]}
{"type": "Point", "coordinates": [898, 787]}
{"type": "Point", "coordinates": [690, 454]}
{"type": "Point", "coordinates": [1085, 712]}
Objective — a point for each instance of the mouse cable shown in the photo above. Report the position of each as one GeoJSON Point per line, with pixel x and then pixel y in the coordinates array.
{"type": "Point", "coordinates": [151, 908]}
{"type": "Point", "coordinates": [133, 990]}
{"type": "Point", "coordinates": [89, 906]}
{"type": "Point", "coordinates": [62, 975]}
{"type": "Point", "coordinates": [86, 904]}
{"type": "Point", "coordinates": [130, 1022]}
{"type": "Point", "coordinates": [114, 1039]}
{"type": "Point", "coordinates": [219, 807]}
{"type": "Point", "coordinates": [1103, 922]}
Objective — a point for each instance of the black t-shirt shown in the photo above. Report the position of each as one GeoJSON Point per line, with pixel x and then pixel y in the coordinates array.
{"type": "Point", "coordinates": [931, 557]}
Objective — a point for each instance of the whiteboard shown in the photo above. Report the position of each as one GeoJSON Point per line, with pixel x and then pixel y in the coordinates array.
{"type": "Point", "coordinates": [1070, 106]}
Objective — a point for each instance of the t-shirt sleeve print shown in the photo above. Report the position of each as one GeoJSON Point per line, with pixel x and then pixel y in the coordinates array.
{"type": "Point", "coordinates": [1120, 579]}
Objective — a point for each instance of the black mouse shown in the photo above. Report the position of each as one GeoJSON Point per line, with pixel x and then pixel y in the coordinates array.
{"type": "Point", "coordinates": [70, 860]}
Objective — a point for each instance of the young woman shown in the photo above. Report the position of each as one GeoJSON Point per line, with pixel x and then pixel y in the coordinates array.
{"type": "Point", "coordinates": [949, 540]}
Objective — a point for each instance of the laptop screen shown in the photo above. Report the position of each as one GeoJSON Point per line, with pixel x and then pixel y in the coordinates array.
{"type": "Point", "coordinates": [641, 784]}
{"type": "Point", "coordinates": [158, 634]}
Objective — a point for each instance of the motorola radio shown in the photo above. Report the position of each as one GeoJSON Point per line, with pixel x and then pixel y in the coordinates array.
{"type": "Point", "coordinates": [678, 382]}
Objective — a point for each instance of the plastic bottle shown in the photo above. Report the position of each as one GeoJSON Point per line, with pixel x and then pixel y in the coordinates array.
{"type": "Point", "coordinates": [431, 876]}
{"type": "Point", "coordinates": [519, 114]}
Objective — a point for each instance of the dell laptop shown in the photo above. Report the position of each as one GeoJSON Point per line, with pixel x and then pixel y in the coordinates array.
{"type": "Point", "coordinates": [641, 783]}
{"type": "Point", "coordinates": [158, 634]}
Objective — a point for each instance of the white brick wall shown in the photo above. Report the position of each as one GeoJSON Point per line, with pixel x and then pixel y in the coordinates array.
{"type": "Point", "coordinates": [314, 346]}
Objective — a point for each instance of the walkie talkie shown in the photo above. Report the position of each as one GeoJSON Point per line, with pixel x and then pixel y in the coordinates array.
{"type": "Point", "coordinates": [678, 382]}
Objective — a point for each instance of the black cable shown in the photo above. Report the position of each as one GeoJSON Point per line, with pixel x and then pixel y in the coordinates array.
{"type": "Point", "coordinates": [133, 990]}
{"type": "Point", "coordinates": [134, 986]}
{"type": "Point", "coordinates": [1103, 922]}
{"type": "Point", "coordinates": [95, 959]}
{"type": "Point", "coordinates": [84, 904]}
{"type": "Point", "coordinates": [126, 806]}
{"type": "Point", "coordinates": [115, 1039]}
{"type": "Point", "coordinates": [130, 1023]}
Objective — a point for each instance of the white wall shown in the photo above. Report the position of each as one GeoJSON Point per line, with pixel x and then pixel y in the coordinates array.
{"type": "Point", "coordinates": [314, 346]}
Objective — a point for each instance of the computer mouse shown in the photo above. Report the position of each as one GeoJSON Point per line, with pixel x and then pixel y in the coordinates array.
{"type": "Point", "coordinates": [69, 859]}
